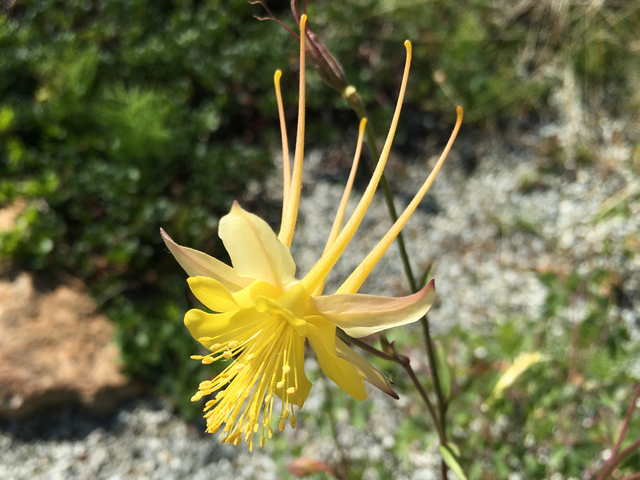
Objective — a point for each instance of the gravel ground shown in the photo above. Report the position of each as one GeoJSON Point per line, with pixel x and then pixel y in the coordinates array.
{"type": "Point", "coordinates": [495, 218]}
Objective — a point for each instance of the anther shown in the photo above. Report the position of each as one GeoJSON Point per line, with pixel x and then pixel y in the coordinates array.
{"type": "Point", "coordinates": [196, 357]}
{"type": "Point", "coordinates": [291, 390]}
{"type": "Point", "coordinates": [293, 421]}
{"type": "Point", "coordinates": [239, 366]}
{"type": "Point", "coordinates": [279, 385]}
{"type": "Point", "coordinates": [227, 355]}
{"type": "Point", "coordinates": [196, 397]}
{"type": "Point", "coordinates": [207, 360]}
{"type": "Point", "coordinates": [262, 439]}
{"type": "Point", "coordinates": [204, 339]}
{"type": "Point", "coordinates": [233, 344]}
{"type": "Point", "coordinates": [237, 440]}
{"type": "Point", "coordinates": [270, 432]}
{"type": "Point", "coordinates": [251, 356]}
{"type": "Point", "coordinates": [286, 413]}
{"type": "Point", "coordinates": [215, 346]}
{"type": "Point", "coordinates": [281, 425]}
{"type": "Point", "coordinates": [286, 369]}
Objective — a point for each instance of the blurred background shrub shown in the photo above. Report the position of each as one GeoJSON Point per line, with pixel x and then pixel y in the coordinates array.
{"type": "Point", "coordinates": [117, 118]}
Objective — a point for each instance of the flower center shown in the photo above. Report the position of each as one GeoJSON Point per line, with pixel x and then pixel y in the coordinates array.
{"type": "Point", "coordinates": [268, 305]}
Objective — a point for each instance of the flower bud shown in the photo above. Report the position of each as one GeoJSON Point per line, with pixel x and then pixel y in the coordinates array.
{"type": "Point", "coordinates": [317, 54]}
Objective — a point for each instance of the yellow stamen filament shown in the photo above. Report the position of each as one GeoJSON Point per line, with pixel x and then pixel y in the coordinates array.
{"type": "Point", "coordinates": [286, 166]}
{"type": "Point", "coordinates": [246, 404]}
{"type": "Point", "coordinates": [337, 223]}
{"type": "Point", "coordinates": [328, 260]}
{"type": "Point", "coordinates": [290, 216]}
{"type": "Point", "coordinates": [359, 275]}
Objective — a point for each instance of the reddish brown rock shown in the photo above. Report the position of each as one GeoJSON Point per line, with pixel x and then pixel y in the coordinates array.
{"type": "Point", "coordinates": [55, 348]}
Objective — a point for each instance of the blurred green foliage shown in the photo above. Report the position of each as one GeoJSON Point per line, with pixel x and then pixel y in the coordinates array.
{"type": "Point", "coordinates": [555, 421]}
{"type": "Point", "coordinates": [118, 118]}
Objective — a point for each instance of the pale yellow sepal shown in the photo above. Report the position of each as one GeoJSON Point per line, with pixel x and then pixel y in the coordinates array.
{"type": "Point", "coordinates": [254, 248]}
{"type": "Point", "coordinates": [197, 263]}
{"type": "Point", "coordinates": [361, 315]}
{"type": "Point", "coordinates": [322, 336]}
{"type": "Point", "coordinates": [368, 371]}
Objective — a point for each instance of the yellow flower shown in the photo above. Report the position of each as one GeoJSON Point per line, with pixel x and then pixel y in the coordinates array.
{"type": "Point", "coordinates": [264, 314]}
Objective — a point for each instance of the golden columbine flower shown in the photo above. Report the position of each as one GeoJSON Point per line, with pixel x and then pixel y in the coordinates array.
{"type": "Point", "coordinates": [264, 314]}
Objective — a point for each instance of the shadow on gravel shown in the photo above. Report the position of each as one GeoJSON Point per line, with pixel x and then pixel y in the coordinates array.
{"type": "Point", "coordinates": [70, 422]}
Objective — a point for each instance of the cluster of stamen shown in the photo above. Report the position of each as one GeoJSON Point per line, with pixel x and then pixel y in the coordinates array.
{"type": "Point", "coordinates": [262, 366]}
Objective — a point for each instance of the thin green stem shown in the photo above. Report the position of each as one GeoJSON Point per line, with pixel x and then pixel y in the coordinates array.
{"type": "Point", "coordinates": [405, 363]}
{"type": "Point", "coordinates": [355, 102]}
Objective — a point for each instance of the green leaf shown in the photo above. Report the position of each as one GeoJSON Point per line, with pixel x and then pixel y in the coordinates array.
{"type": "Point", "coordinates": [444, 373]}
{"type": "Point", "coordinates": [451, 462]}
{"type": "Point", "coordinates": [6, 118]}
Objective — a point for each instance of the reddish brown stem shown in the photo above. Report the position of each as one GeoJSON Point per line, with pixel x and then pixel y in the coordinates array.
{"type": "Point", "coordinates": [616, 457]}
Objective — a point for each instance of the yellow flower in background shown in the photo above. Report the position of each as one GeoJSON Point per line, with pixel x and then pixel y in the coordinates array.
{"type": "Point", "coordinates": [263, 314]}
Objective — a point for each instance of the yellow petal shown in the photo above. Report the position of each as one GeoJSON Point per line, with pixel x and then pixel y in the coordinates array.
{"type": "Point", "coordinates": [197, 263]}
{"type": "Point", "coordinates": [246, 297]}
{"type": "Point", "coordinates": [212, 294]}
{"type": "Point", "coordinates": [254, 248]}
{"type": "Point", "coordinates": [359, 275]}
{"type": "Point", "coordinates": [368, 371]}
{"type": "Point", "coordinates": [222, 327]}
{"type": "Point", "coordinates": [361, 315]}
{"type": "Point", "coordinates": [322, 338]}
{"type": "Point", "coordinates": [321, 269]}
{"type": "Point", "coordinates": [290, 213]}
{"type": "Point", "coordinates": [337, 222]}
